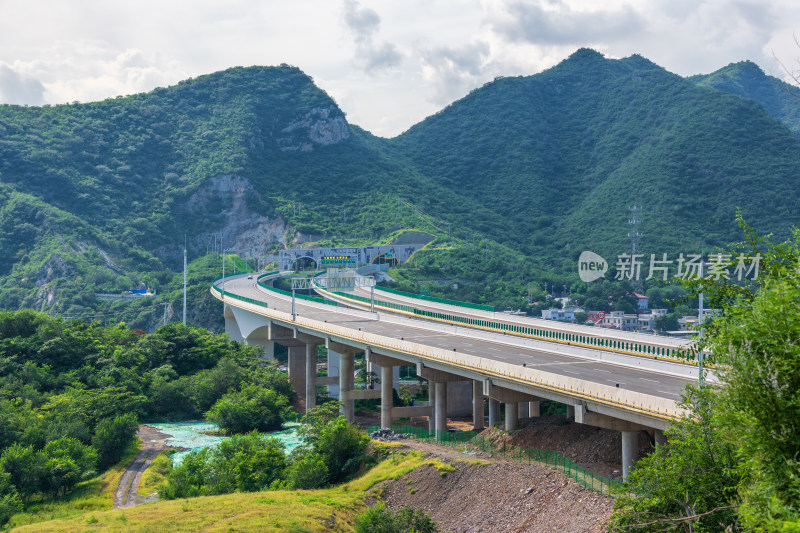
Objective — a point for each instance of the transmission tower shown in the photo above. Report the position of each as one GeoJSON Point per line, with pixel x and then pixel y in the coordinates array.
{"type": "Point", "coordinates": [634, 235]}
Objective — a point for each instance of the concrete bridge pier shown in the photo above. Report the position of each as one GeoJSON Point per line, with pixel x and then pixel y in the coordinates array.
{"type": "Point", "coordinates": [630, 451]}
{"type": "Point", "coordinates": [460, 395]}
{"type": "Point", "coordinates": [346, 383]}
{"type": "Point", "coordinates": [311, 376]}
{"type": "Point", "coordinates": [512, 416]}
{"type": "Point", "coordinates": [629, 430]}
{"type": "Point", "coordinates": [297, 375]}
{"type": "Point", "coordinates": [524, 410]}
{"type": "Point", "coordinates": [516, 403]}
{"type": "Point", "coordinates": [334, 362]}
{"type": "Point", "coordinates": [389, 368]}
{"type": "Point", "coordinates": [441, 408]}
{"type": "Point", "coordinates": [533, 409]}
{"type": "Point", "coordinates": [494, 411]}
{"type": "Point", "coordinates": [477, 405]}
{"type": "Point", "coordinates": [346, 379]}
{"type": "Point", "coordinates": [659, 437]}
{"type": "Point", "coordinates": [432, 404]}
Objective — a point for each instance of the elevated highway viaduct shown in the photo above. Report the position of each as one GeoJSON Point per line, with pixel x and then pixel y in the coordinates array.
{"type": "Point", "coordinates": [628, 395]}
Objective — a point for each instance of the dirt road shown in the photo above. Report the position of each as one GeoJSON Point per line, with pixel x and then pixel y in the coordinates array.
{"type": "Point", "coordinates": [127, 491]}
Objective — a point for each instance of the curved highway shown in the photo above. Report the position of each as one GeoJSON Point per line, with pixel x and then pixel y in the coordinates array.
{"type": "Point", "coordinates": [492, 346]}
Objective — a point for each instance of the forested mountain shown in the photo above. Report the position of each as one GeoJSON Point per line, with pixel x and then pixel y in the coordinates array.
{"type": "Point", "coordinates": [97, 197]}
{"type": "Point", "coordinates": [747, 80]}
{"type": "Point", "coordinates": [562, 155]}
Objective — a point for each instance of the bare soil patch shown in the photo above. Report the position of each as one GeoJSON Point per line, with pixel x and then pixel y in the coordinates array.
{"type": "Point", "coordinates": [497, 496]}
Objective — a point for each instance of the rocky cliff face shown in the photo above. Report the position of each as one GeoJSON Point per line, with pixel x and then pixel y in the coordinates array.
{"type": "Point", "coordinates": [226, 203]}
{"type": "Point", "coordinates": [317, 127]}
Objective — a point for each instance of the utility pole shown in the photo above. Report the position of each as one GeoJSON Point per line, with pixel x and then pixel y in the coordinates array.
{"type": "Point", "coordinates": [184, 280]}
{"type": "Point", "coordinates": [635, 235]}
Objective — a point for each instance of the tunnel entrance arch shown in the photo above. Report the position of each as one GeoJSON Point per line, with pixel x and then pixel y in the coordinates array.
{"type": "Point", "coordinates": [305, 263]}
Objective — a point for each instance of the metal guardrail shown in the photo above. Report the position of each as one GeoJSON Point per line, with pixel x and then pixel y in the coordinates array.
{"type": "Point", "coordinates": [289, 293]}
{"type": "Point", "coordinates": [496, 369]}
{"type": "Point", "coordinates": [438, 300]}
{"type": "Point", "coordinates": [566, 338]}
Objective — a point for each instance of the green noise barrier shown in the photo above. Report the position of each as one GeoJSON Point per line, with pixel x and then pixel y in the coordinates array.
{"type": "Point", "coordinates": [439, 300]}
{"type": "Point", "coordinates": [471, 440]}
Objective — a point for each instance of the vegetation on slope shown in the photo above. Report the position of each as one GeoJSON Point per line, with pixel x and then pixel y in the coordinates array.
{"type": "Point", "coordinates": [96, 197]}
{"type": "Point", "coordinates": [71, 393]}
{"type": "Point", "coordinates": [732, 465]}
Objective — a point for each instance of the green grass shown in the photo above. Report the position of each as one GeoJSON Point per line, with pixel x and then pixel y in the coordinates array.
{"type": "Point", "coordinates": [96, 494]}
{"type": "Point", "coordinates": [156, 473]}
{"type": "Point", "coordinates": [332, 509]}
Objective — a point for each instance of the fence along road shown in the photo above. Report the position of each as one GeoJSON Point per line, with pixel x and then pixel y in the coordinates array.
{"type": "Point", "coordinates": [602, 394]}
{"type": "Point", "coordinates": [622, 342]}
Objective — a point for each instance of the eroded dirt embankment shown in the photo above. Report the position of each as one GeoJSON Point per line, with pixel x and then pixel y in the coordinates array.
{"type": "Point", "coordinates": [497, 496]}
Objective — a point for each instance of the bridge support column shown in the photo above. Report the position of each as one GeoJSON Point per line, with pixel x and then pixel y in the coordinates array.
{"type": "Point", "coordinates": [477, 405]}
{"type": "Point", "coordinates": [432, 403]}
{"type": "Point", "coordinates": [659, 437]}
{"type": "Point", "coordinates": [523, 410]}
{"type": "Point", "coordinates": [511, 416]}
{"type": "Point", "coordinates": [311, 376]}
{"type": "Point", "coordinates": [297, 375]}
{"type": "Point", "coordinates": [441, 407]}
{"type": "Point", "coordinates": [494, 411]}
{"type": "Point", "coordinates": [267, 348]}
{"type": "Point", "coordinates": [387, 380]}
{"type": "Point", "coordinates": [334, 361]}
{"type": "Point", "coordinates": [533, 410]}
{"type": "Point", "coordinates": [630, 450]}
{"type": "Point", "coordinates": [346, 364]}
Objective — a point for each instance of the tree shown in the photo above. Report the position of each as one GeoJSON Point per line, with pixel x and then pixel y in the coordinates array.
{"type": "Point", "coordinates": [9, 499]}
{"type": "Point", "coordinates": [24, 468]}
{"type": "Point", "coordinates": [695, 473]}
{"type": "Point", "coordinates": [112, 436]}
{"type": "Point", "coordinates": [252, 408]}
{"type": "Point", "coordinates": [307, 472]}
{"type": "Point", "coordinates": [66, 462]}
{"type": "Point", "coordinates": [759, 346]}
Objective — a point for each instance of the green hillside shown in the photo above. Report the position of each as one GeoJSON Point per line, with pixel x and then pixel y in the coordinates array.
{"type": "Point", "coordinates": [747, 80]}
{"type": "Point", "coordinates": [525, 173]}
{"type": "Point", "coordinates": [559, 157]}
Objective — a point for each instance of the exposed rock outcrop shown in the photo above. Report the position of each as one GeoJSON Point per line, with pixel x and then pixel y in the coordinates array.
{"type": "Point", "coordinates": [316, 127]}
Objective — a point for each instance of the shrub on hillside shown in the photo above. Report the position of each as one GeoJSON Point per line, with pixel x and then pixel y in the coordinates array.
{"type": "Point", "coordinates": [112, 436]}
{"type": "Point", "coordinates": [379, 519]}
{"type": "Point", "coordinates": [252, 408]}
{"type": "Point", "coordinates": [246, 463]}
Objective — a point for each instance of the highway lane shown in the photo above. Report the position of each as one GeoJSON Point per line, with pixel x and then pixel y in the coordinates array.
{"type": "Point", "coordinates": [643, 381]}
{"type": "Point", "coordinates": [531, 322]}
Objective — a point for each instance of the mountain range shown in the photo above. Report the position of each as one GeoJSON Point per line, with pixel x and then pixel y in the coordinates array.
{"type": "Point", "coordinates": [101, 197]}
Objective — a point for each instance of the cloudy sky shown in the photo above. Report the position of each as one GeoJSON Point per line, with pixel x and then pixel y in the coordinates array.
{"type": "Point", "coordinates": [388, 64]}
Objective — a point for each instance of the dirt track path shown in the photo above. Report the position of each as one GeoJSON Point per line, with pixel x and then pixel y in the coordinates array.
{"type": "Point", "coordinates": [128, 488]}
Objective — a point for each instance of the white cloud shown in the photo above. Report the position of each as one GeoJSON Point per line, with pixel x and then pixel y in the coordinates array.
{"type": "Point", "coordinates": [364, 23]}
{"type": "Point", "coordinates": [16, 88]}
{"type": "Point", "coordinates": [388, 64]}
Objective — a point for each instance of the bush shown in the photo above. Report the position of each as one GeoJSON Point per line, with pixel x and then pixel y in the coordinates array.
{"type": "Point", "coordinates": [112, 436]}
{"type": "Point", "coordinates": [245, 463]}
{"type": "Point", "coordinates": [379, 519]}
{"type": "Point", "coordinates": [9, 500]}
{"type": "Point", "coordinates": [252, 408]}
{"type": "Point", "coordinates": [308, 472]}
{"type": "Point", "coordinates": [66, 462]}
{"type": "Point", "coordinates": [337, 441]}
